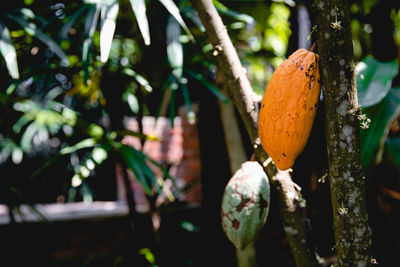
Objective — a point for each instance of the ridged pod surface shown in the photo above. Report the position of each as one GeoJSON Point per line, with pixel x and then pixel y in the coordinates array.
{"type": "Point", "coordinates": [289, 106]}
{"type": "Point", "coordinates": [245, 204]}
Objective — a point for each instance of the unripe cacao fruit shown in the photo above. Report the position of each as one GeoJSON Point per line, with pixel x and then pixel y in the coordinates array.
{"type": "Point", "coordinates": [289, 106]}
{"type": "Point", "coordinates": [245, 204]}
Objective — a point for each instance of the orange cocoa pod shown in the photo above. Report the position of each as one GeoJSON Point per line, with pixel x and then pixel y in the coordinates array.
{"type": "Point", "coordinates": [289, 106]}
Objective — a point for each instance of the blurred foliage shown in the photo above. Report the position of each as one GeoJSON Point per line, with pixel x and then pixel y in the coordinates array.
{"type": "Point", "coordinates": [396, 18]}
{"type": "Point", "coordinates": [56, 110]}
{"type": "Point", "coordinates": [262, 43]}
{"type": "Point", "coordinates": [73, 70]}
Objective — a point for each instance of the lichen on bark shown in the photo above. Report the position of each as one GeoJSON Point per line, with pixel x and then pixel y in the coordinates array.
{"type": "Point", "coordinates": [352, 233]}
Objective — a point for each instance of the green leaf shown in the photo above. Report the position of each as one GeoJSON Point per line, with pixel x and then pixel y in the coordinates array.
{"type": "Point", "coordinates": [17, 155]}
{"type": "Point", "coordinates": [95, 131]}
{"type": "Point", "coordinates": [139, 78]}
{"type": "Point", "coordinates": [29, 14]}
{"type": "Point", "coordinates": [69, 116]}
{"type": "Point", "coordinates": [165, 98]}
{"type": "Point", "coordinates": [132, 102]}
{"type": "Point", "coordinates": [89, 142]}
{"type": "Point", "coordinates": [33, 30]}
{"type": "Point", "coordinates": [139, 8]}
{"type": "Point", "coordinates": [277, 29]}
{"type": "Point", "coordinates": [374, 80]}
{"type": "Point", "coordinates": [163, 170]}
{"type": "Point", "coordinates": [208, 85]}
{"type": "Point", "coordinates": [191, 13]}
{"type": "Point", "coordinates": [22, 121]}
{"type": "Point", "coordinates": [100, 153]}
{"type": "Point", "coordinates": [63, 34]}
{"type": "Point", "coordinates": [108, 22]}
{"type": "Point", "coordinates": [90, 27]}
{"type": "Point", "coordinates": [51, 95]}
{"type": "Point", "coordinates": [27, 137]}
{"type": "Point", "coordinates": [174, 11]}
{"type": "Point", "coordinates": [174, 47]}
{"type": "Point", "coordinates": [190, 227]}
{"type": "Point", "coordinates": [7, 50]}
{"type": "Point", "coordinates": [231, 13]}
{"type": "Point", "coordinates": [146, 252]}
{"type": "Point", "coordinates": [92, 129]}
{"type": "Point", "coordinates": [11, 88]}
{"type": "Point", "coordinates": [373, 138]}
{"type": "Point", "coordinates": [139, 167]}
{"type": "Point", "coordinates": [9, 147]}
{"type": "Point", "coordinates": [146, 168]}
{"type": "Point", "coordinates": [86, 193]}
{"type": "Point", "coordinates": [191, 115]}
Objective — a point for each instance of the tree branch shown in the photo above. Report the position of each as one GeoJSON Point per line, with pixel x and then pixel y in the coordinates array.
{"type": "Point", "coordinates": [241, 92]}
{"type": "Point", "coordinates": [352, 233]}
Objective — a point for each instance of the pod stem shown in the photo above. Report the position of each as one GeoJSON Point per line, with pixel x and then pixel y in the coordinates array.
{"type": "Point", "coordinates": [313, 47]}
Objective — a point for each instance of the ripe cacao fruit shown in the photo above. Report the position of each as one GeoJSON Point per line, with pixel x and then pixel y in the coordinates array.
{"type": "Point", "coordinates": [289, 106]}
{"type": "Point", "coordinates": [245, 204]}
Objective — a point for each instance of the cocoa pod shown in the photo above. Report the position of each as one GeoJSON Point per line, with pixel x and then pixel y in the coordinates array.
{"type": "Point", "coordinates": [245, 204]}
{"type": "Point", "coordinates": [289, 106]}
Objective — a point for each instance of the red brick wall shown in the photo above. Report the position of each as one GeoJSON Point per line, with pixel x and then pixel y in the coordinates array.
{"type": "Point", "coordinates": [178, 148]}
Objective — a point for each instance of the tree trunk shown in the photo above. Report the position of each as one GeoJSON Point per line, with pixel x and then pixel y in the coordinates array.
{"type": "Point", "coordinates": [290, 201]}
{"type": "Point", "coordinates": [352, 233]}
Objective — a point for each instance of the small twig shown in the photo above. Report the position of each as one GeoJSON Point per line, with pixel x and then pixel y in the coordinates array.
{"type": "Point", "coordinates": [313, 47]}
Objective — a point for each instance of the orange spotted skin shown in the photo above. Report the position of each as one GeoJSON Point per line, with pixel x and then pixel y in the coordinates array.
{"type": "Point", "coordinates": [289, 106]}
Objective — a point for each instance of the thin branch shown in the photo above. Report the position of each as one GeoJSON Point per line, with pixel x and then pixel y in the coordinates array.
{"type": "Point", "coordinates": [239, 87]}
{"type": "Point", "coordinates": [352, 233]}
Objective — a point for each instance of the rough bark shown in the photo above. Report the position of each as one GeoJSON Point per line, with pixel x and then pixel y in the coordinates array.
{"type": "Point", "coordinates": [352, 233]}
{"type": "Point", "coordinates": [290, 201]}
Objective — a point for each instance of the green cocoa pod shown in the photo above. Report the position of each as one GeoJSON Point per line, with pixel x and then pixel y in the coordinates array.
{"type": "Point", "coordinates": [245, 204]}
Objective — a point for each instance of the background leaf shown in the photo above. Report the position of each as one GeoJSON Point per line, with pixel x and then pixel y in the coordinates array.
{"type": "Point", "coordinates": [191, 13]}
{"type": "Point", "coordinates": [139, 78]}
{"type": "Point", "coordinates": [85, 143]}
{"type": "Point", "coordinates": [33, 30]}
{"type": "Point", "coordinates": [108, 22]}
{"type": "Point", "coordinates": [63, 34]}
{"type": "Point", "coordinates": [208, 85]}
{"type": "Point", "coordinates": [381, 115]}
{"type": "Point", "coordinates": [7, 49]}
{"type": "Point", "coordinates": [191, 115]}
{"type": "Point", "coordinates": [174, 47]}
{"type": "Point", "coordinates": [139, 8]}
{"type": "Point", "coordinates": [90, 27]}
{"type": "Point", "coordinates": [234, 14]}
{"type": "Point", "coordinates": [139, 167]}
{"type": "Point", "coordinates": [374, 80]}
{"type": "Point", "coordinates": [174, 11]}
